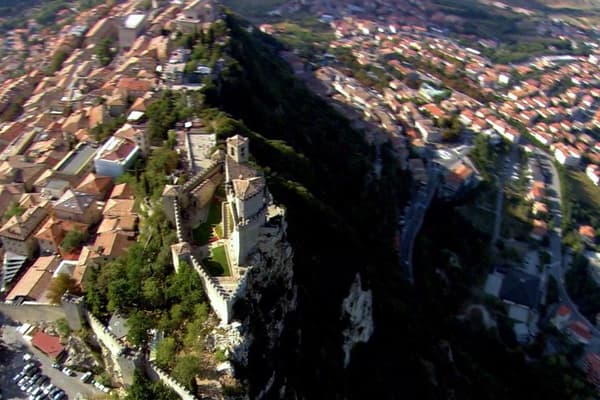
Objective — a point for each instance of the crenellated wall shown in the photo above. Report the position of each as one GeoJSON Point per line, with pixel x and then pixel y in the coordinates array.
{"type": "Point", "coordinates": [220, 300]}
{"type": "Point", "coordinates": [157, 374]}
{"type": "Point", "coordinates": [106, 337]}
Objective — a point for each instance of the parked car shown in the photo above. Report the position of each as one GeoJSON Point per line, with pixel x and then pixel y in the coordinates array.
{"type": "Point", "coordinates": [18, 376]}
{"type": "Point", "coordinates": [27, 357]}
{"type": "Point", "coordinates": [56, 365]}
{"type": "Point", "coordinates": [68, 372]}
{"type": "Point", "coordinates": [86, 377]}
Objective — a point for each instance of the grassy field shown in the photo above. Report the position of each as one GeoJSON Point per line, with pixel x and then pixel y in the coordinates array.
{"type": "Point", "coordinates": [201, 235]}
{"type": "Point", "coordinates": [217, 262]}
{"type": "Point", "coordinates": [586, 196]}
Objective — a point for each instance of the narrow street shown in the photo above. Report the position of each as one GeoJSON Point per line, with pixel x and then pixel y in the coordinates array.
{"type": "Point", "coordinates": [557, 267]}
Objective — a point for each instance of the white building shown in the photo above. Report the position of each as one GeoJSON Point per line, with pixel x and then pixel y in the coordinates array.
{"type": "Point", "coordinates": [566, 157]}
{"type": "Point", "coordinates": [115, 156]}
{"type": "Point", "coordinates": [130, 28]}
{"type": "Point", "coordinates": [593, 172]}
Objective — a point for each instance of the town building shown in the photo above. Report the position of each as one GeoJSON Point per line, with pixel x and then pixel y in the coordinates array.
{"type": "Point", "coordinates": [115, 156]}
{"type": "Point", "coordinates": [130, 27]}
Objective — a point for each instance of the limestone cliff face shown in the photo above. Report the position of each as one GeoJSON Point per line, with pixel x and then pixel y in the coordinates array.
{"type": "Point", "coordinates": [270, 295]}
{"type": "Point", "coordinates": [357, 312]}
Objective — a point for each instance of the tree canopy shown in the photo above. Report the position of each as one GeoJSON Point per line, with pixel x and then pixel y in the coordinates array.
{"type": "Point", "coordinates": [72, 240]}
{"type": "Point", "coordinates": [60, 285]}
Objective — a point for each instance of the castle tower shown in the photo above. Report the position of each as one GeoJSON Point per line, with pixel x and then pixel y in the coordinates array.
{"type": "Point", "coordinates": [237, 149]}
{"type": "Point", "coordinates": [246, 200]}
{"type": "Point", "coordinates": [73, 307]}
{"type": "Point", "coordinates": [169, 196]}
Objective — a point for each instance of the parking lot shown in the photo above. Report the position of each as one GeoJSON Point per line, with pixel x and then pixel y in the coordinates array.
{"type": "Point", "coordinates": [11, 354]}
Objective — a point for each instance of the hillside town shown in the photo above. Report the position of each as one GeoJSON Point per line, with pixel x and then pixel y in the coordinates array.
{"type": "Point", "coordinates": [414, 79]}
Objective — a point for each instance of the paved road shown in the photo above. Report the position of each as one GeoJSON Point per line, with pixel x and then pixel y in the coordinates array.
{"type": "Point", "coordinates": [413, 221]}
{"type": "Point", "coordinates": [557, 267]}
{"type": "Point", "coordinates": [17, 346]}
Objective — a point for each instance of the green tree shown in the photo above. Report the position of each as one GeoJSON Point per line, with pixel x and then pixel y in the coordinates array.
{"type": "Point", "coordinates": [57, 61]}
{"type": "Point", "coordinates": [13, 209]}
{"type": "Point", "coordinates": [72, 240]}
{"type": "Point", "coordinates": [152, 293]}
{"type": "Point", "coordinates": [185, 371]}
{"type": "Point", "coordinates": [139, 324]}
{"type": "Point", "coordinates": [60, 285]}
{"type": "Point", "coordinates": [104, 51]}
{"type": "Point", "coordinates": [165, 352]}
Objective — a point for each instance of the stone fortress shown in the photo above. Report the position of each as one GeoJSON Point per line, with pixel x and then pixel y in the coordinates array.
{"type": "Point", "coordinates": [251, 226]}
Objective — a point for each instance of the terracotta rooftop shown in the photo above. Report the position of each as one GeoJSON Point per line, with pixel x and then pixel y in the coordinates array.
{"type": "Point", "coordinates": [50, 345]}
{"type": "Point", "coordinates": [95, 184]}
{"type": "Point", "coordinates": [122, 191]}
{"type": "Point", "coordinates": [36, 280]}
{"type": "Point", "coordinates": [119, 207]}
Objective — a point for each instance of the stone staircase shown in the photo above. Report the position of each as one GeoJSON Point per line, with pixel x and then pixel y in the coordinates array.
{"type": "Point", "coordinates": [227, 222]}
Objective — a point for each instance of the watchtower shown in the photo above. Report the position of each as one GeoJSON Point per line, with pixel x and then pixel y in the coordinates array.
{"type": "Point", "coordinates": [237, 149]}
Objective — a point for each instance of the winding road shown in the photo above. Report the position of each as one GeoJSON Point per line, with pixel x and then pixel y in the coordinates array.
{"type": "Point", "coordinates": [414, 220]}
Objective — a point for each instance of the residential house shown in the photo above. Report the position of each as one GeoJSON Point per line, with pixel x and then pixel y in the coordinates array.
{"type": "Point", "coordinates": [130, 27]}
{"type": "Point", "coordinates": [578, 332]}
{"type": "Point", "coordinates": [51, 234]}
{"type": "Point", "coordinates": [119, 207]}
{"type": "Point", "coordinates": [77, 206]}
{"type": "Point", "coordinates": [115, 156]}
{"type": "Point", "coordinates": [122, 191]}
{"type": "Point", "coordinates": [95, 185]}
{"type": "Point", "coordinates": [587, 234]}
{"type": "Point", "coordinates": [18, 170]}
{"type": "Point", "coordinates": [34, 283]}
{"type": "Point", "coordinates": [48, 344]}
{"type": "Point", "coordinates": [17, 233]}
{"type": "Point", "coordinates": [562, 317]}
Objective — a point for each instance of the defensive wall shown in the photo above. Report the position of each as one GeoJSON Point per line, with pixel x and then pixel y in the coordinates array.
{"type": "Point", "coordinates": [32, 312]}
{"type": "Point", "coordinates": [157, 374]}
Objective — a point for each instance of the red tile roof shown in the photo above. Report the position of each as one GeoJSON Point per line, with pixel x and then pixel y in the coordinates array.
{"type": "Point", "coordinates": [50, 345]}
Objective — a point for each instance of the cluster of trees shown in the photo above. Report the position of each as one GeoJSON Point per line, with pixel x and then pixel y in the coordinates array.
{"type": "Point", "coordinates": [72, 240]}
{"type": "Point", "coordinates": [149, 177]}
{"type": "Point", "coordinates": [103, 131]}
{"type": "Point", "coordinates": [57, 61]}
{"type": "Point", "coordinates": [168, 109]}
{"type": "Point", "coordinates": [144, 389]}
{"type": "Point", "coordinates": [60, 285]}
{"type": "Point", "coordinates": [143, 285]}
{"type": "Point", "coordinates": [13, 209]}
{"type": "Point", "coordinates": [368, 75]}
{"type": "Point", "coordinates": [582, 288]}
{"type": "Point", "coordinates": [451, 128]}
{"type": "Point", "coordinates": [105, 51]}
{"type": "Point", "coordinates": [484, 156]}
